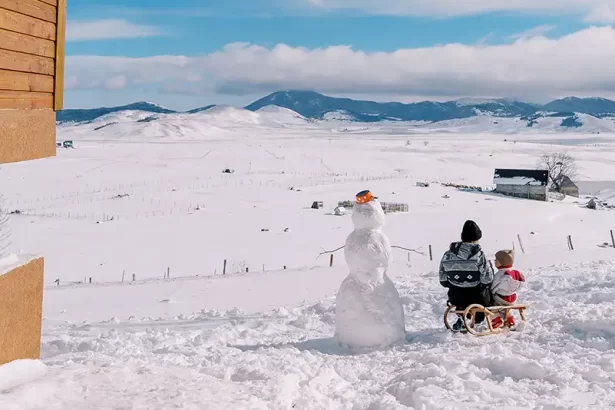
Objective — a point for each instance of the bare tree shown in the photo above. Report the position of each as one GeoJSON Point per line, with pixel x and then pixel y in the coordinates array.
{"type": "Point", "coordinates": [560, 165]}
{"type": "Point", "coordinates": [5, 229]}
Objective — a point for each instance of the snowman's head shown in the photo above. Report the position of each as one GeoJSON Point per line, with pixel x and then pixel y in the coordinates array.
{"type": "Point", "coordinates": [369, 215]}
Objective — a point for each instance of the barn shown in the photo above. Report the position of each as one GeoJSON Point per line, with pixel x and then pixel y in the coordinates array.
{"type": "Point", "coordinates": [569, 188]}
{"type": "Point", "coordinates": [522, 183]}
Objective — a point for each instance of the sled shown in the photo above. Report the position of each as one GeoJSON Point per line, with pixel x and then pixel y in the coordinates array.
{"type": "Point", "coordinates": [469, 316]}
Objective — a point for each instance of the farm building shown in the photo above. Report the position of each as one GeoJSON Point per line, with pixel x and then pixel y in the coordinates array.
{"type": "Point", "coordinates": [522, 183]}
{"type": "Point", "coordinates": [569, 188]}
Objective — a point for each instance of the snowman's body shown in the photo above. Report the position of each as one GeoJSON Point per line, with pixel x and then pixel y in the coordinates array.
{"type": "Point", "coordinates": [369, 312]}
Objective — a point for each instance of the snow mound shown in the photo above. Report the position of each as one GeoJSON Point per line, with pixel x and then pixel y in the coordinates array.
{"type": "Point", "coordinates": [12, 261]}
{"type": "Point", "coordinates": [19, 372]}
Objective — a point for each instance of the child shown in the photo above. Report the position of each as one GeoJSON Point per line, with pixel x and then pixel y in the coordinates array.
{"type": "Point", "coordinates": [506, 283]}
{"type": "Point", "coordinates": [464, 270]}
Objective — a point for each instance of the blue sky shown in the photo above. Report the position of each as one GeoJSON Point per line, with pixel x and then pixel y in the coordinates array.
{"type": "Point", "coordinates": [197, 53]}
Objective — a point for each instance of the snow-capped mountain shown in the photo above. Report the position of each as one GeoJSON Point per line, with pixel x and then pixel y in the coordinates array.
{"type": "Point", "coordinates": [570, 112]}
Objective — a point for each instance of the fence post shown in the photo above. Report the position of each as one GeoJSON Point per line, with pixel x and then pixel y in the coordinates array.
{"type": "Point", "coordinates": [90, 279]}
{"type": "Point", "coordinates": [521, 244]}
{"type": "Point", "coordinates": [134, 277]}
{"type": "Point", "coordinates": [224, 268]}
{"type": "Point", "coordinates": [612, 238]}
{"type": "Point", "coordinates": [123, 274]}
{"type": "Point", "coordinates": [570, 245]}
{"type": "Point", "coordinates": [247, 269]}
{"type": "Point", "coordinates": [430, 254]}
{"type": "Point", "coordinates": [331, 261]}
{"type": "Point", "coordinates": [169, 272]}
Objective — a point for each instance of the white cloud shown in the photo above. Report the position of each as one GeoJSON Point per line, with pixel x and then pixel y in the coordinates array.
{"type": "Point", "coordinates": [107, 30]}
{"type": "Point", "coordinates": [602, 13]}
{"type": "Point", "coordinates": [581, 63]}
{"type": "Point", "coordinates": [593, 9]}
{"type": "Point", "coordinates": [538, 31]}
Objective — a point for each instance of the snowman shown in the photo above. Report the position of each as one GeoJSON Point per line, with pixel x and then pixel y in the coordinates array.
{"type": "Point", "coordinates": [369, 313]}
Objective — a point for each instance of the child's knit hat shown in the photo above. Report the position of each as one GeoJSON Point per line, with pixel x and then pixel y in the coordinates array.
{"type": "Point", "coordinates": [471, 232]}
{"type": "Point", "coordinates": [505, 257]}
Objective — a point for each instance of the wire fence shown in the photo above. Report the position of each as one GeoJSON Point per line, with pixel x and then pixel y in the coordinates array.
{"type": "Point", "coordinates": [528, 245]}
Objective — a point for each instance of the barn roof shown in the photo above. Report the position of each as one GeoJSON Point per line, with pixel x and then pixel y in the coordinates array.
{"type": "Point", "coordinates": [567, 183]}
{"type": "Point", "coordinates": [521, 177]}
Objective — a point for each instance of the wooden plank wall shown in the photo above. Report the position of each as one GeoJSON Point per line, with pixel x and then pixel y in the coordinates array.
{"type": "Point", "coordinates": [32, 36]}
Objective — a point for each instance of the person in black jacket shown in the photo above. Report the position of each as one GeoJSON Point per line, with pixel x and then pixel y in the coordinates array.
{"type": "Point", "coordinates": [467, 274]}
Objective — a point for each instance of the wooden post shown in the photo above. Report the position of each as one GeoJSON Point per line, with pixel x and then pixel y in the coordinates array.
{"type": "Point", "coordinates": [612, 238]}
{"type": "Point", "coordinates": [247, 270]}
{"type": "Point", "coordinates": [224, 268]}
{"type": "Point", "coordinates": [408, 257]}
{"type": "Point", "coordinates": [134, 277]}
{"type": "Point", "coordinates": [570, 245]}
{"type": "Point", "coordinates": [430, 253]}
{"type": "Point", "coordinates": [90, 279]}
{"type": "Point", "coordinates": [169, 273]}
{"type": "Point", "coordinates": [123, 274]}
{"type": "Point", "coordinates": [331, 260]}
{"type": "Point", "coordinates": [521, 244]}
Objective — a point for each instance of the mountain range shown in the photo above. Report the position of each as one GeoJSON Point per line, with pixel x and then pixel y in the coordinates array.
{"type": "Point", "coordinates": [317, 106]}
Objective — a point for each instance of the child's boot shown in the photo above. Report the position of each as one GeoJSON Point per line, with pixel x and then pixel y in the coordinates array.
{"type": "Point", "coordinates": [459, 325]}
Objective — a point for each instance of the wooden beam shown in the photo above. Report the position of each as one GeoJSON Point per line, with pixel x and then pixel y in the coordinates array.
{"type": "Point", "coordinates": [32, 8]}
{"type": "Point", "coordinates": [58, 95]}
{"type": "Point", "coordinates": [17, 81]}
{"type": "Point", "coordinates": [14, 61]}
{"type": "Point", "coordinates": [51, 2]}
{"type": "Point", "coordinates": [23, 43]}
{"type": "Point", "coordinates": [25, 100]}
{"type": "Point", "coordinates": [19, 23]}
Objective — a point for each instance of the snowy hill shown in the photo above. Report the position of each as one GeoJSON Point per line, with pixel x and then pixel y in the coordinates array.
{"type": "Point", "coordinates": [213, 122]}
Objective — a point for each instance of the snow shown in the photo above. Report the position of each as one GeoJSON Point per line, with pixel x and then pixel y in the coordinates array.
{"type": "Point", "coordinates": [12, 261]}
{"type": "Point", "coordinates": [338, 115]}
{"type": "Point", "coordinates": [516, 181]}
{"type": "Point", "coordinates": [20, 372]}
{"type": "Point", "coordinates": [369, 313]}
{"type": "Point", "coordinates": [265, 339]}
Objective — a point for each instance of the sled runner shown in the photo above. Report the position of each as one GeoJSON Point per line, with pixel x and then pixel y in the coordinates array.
{"type": "Point", "coordinates": [469, 315]}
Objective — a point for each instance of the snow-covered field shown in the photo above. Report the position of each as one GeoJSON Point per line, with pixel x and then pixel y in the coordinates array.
{"type": "Point", "coordinates": [133, 200]}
